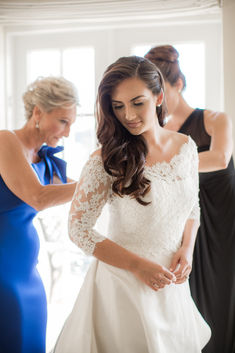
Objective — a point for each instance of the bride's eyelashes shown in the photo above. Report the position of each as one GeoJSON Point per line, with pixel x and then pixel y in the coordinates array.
{"type": "Point", "coordinates": [118, 107]}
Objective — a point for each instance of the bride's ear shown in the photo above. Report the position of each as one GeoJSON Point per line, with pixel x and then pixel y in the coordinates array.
{"type": "Point", "coordinates": [160, 98]}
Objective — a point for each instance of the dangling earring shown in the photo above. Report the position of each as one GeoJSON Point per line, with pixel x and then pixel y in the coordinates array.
{"type": "Point", "coordinates": [37, 125]}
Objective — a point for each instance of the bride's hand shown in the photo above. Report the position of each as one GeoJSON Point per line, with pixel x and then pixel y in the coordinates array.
{"type": "Point", "coordinates": [181, 264]}
{"type": "Point", "coordinates": [153, 274]}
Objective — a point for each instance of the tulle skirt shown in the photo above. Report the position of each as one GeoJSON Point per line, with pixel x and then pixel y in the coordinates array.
{"type": "Point", "coordinates": [117, 313]}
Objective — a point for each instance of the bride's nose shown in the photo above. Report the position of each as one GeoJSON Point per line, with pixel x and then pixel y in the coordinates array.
{"type": "Point", "coordinates": [130, 114]}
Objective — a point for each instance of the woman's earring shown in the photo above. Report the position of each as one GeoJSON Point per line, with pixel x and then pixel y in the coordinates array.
{"type": "Point", "coordinates": [37, 125]}
{"type": "Point", "coordinates": [159, 105]}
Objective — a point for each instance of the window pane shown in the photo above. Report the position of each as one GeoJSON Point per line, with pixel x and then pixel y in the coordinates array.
{"type": "Point", "coordinates": [79, 67]}
{"type": "Point", "coordinates": [79, 145]}
{"type": "Point", "coordinates": [192, 64]}
{"type": "Point", "coordinates": [42, 63]}
{"type": "Point", "coordinates": [141, 50]}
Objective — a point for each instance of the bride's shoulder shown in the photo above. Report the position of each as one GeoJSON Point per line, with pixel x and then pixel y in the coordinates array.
{"type": "Point", "coordinates": [95, 156]}
{"type": "Point", "coordinates": [178, 140]}
{"type": "Point", "coordinates": [182, 144]}
{"type": "Point", "coordinates": [182, 139]}
{"type": "Point", "coordinates": [96, 153]}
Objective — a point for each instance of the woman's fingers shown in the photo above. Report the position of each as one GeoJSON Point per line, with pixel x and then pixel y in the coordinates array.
{"type": "Point", "coordinates": [162, 278]}
{"type": "Point", "coordinates": [183, 269]}
{"type": "Point", "coordinates": [169, 275]}
{"type": "Point", "coordinates": [184, 276]}
{"type": "Point", "coordinates": [182, 279]}
{"type": "Point", "coordinates": [154, 275]}
{"type": "Point", "coordinates": [156, 285]}
{"type": "Point", "coordinates": [187, 270]}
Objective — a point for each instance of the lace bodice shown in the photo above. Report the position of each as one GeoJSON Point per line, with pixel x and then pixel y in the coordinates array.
{"type": "Point", "coordinates": [145, 230]}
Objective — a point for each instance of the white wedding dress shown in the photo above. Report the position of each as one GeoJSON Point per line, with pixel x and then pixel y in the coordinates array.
{"type": "Point", "coordinates": [114, 311]}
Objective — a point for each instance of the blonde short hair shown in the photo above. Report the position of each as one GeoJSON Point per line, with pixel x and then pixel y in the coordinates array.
{"type": "Point", "coordinates": [49, 93]}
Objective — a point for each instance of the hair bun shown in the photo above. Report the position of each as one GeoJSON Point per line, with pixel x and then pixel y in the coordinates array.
{"type": "Point", "coordinates": [163, 53]}
{"type": "Point", "coordinates": [166, 58]}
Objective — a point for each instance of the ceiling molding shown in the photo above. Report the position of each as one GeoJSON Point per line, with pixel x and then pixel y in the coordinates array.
{"type": "Point", "coordinates": [38, 12]}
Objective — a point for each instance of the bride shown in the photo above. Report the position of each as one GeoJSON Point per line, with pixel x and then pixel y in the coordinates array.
{"type": "Point", "coordinates": [136, 297]}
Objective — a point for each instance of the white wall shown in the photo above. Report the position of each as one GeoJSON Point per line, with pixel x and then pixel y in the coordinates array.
{"type": "Point", "coordinates": [229, 58]}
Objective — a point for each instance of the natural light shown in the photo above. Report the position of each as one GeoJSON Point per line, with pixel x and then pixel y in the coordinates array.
{"type": "Point", "coordinates": [192, 63]}
{"type": "Point", "coordinates": [62, 265]}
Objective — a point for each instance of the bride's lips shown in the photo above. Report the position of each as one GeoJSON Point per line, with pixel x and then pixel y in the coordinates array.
{"type": "Point", "coordinates": [134, 124]}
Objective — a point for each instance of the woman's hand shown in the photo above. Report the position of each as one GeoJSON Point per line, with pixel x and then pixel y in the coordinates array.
{"type": "Point", "coordinates": [152, 274]}
{"type": "Point", "coordinates": [181, 264]}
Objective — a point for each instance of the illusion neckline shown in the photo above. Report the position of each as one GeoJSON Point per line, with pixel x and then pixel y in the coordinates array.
{"type": "Point", "coordinates": [173, 158]}
{"type": "Point", "coordinates": [162, 163]}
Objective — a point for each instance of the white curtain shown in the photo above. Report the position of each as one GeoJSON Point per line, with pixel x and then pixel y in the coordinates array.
{"type": "Point", "coordinates": [18, 12]}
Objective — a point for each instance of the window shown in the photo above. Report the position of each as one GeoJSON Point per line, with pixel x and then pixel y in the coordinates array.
{"type": "Point", "coordinates": [78, 66]}
{"type": "Point", "coordinates": [61, 264]}
{"type": "Point", "coordinates": [192, 63]}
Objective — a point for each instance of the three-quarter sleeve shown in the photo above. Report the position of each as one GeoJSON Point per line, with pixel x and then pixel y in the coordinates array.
{"type": "Point", "coordinates": [195, 212]}
{"type": "Point", "coordinates": [91, 194]}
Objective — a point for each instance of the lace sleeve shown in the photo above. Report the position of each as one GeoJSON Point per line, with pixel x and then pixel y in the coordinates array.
{"type": "Point", "coordinates": [195, 213]}
{"type": "Point", "coordinates": [90, 196]}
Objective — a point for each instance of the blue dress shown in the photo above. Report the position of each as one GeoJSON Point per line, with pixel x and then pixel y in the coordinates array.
{"type": "Point", "coordinates": [23, 307]}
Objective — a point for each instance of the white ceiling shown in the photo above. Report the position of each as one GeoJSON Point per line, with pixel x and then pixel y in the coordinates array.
{"type": "Point", "coordinates": [18, 12]}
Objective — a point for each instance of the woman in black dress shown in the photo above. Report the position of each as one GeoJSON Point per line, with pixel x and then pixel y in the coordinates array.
{"type": "Point", "coordinates": [212, 279]}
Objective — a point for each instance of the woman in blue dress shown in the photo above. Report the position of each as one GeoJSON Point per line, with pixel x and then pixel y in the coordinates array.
{"type": "Point", "coordinates": [31, 179]}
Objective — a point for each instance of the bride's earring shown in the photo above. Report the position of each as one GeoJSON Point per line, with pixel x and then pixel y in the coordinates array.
{"type": "Point", "coordinates": [37, 125]}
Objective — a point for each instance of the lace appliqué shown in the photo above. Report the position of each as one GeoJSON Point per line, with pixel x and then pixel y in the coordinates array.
{"type": "Point", "coordinates": [178, 170]}
{"type": "Point", "coordinates": [157, 229]}
{"type": "Point", "coordinates": [145, 230]}
{"type": "Point", "coordinates": [90, 196]}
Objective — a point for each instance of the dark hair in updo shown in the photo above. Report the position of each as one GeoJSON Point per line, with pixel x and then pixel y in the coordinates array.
{"type": "Point", "coordinates": [124, 154]}
{"type": "Point", "coordinates": [166, 58]}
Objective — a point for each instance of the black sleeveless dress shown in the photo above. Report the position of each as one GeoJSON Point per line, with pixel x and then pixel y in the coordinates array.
{"type": "Point", "coordinates": [212, 280]}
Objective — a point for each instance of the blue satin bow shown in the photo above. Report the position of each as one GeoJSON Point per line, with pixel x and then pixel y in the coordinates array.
{"type": "Point", "coordinates": [54, 164]}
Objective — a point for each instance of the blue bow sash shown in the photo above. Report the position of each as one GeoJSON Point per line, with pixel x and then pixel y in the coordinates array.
{"type": "Point", "coordinates": [54, 165]}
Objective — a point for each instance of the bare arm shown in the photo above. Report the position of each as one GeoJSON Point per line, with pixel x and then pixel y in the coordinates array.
{"type": "Point", "coordinates": [182, 261]}
{"type": "Point", "coordinates": [20, 178]}
{"type": "Point", "coordinates": [56, 180]}
{"type": "Point", "coordinates": [219, 127]}
{"type": "Point", "coordinates": [190, 233]}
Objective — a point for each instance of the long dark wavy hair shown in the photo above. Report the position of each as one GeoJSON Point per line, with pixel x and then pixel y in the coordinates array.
{"type": "Point", "coordinates": [124, 154]}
